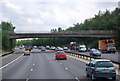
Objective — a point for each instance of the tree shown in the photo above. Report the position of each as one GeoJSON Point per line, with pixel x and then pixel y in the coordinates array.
{"type": "Point", "coordinates": [6, 27]}
{"type": "Point", "coordinates": [59, 29]}
{"type": "Point", "coordinates": [102, 21]}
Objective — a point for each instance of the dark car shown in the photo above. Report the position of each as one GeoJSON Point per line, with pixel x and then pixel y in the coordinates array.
{"type": "Point", "coordinates": [101, 68]}
{"type": "Point", "coordinates": [95, 52]}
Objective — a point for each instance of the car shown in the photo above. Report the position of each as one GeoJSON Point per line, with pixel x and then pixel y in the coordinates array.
{"type": "Point", "coordinates": [27, 52]}
{"type": "Point", "coordinates": [47, 47]}
{"type": "Point", "coordinates": [60, 55]}
{"type": "Point", "coordinates": [59, 49]}
{"type": "Point", "coordinates": [95, 52]}
{"type": "Point", "coordinates": [35, 47]}
{"type": "Point", "coordinates": [21, 47]}
{"type": "Point", "coordinates": [65, 48]}
{"type": "Point", "coordinates": [43, 49]}
{"type": "Point", "coordinates": [82, 48]}
{"type": "Point", "coordinates": [52, 48]}
{"type": "Point", "coordinates": [101, 68]}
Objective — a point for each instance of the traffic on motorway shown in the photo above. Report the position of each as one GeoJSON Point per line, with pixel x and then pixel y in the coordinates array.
{"type": "Point", "coordinates": [60, 40]}
{"type": "Point", "coordinates": [50, 62]}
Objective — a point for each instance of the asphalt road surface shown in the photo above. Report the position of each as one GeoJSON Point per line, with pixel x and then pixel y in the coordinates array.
{"type": "Point", "coordinates": [43, 66]}
{"type": "Point", "coordinates": [110, 56]}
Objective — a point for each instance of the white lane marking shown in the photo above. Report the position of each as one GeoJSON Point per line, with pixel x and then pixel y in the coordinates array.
{"type": "Point", "coordinates": [33, 64]}
{"type": "Point", "coordinates": [11, 62]}
{"type": "Point", "coordinates": [77, 79]}
{"type": "Point", "coordinates": [60, 63]}
{"type": "Point", "coordinates": [66, 68]}
{"type": "Point", "coordinates": [31, 69]}
{"type": "Point", "coordinates": [27, 79]}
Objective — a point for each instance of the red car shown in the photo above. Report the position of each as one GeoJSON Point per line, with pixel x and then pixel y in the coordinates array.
{"type": "Point", "coordinates": [61, 55]}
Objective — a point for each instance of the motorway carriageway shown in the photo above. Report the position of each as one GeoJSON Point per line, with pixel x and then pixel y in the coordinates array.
{"type": "Point", "coordinates": [110, 56]}
{"type": "Point", "coordinates": [42, 65]}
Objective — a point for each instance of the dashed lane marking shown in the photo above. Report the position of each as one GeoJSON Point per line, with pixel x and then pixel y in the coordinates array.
{"type": "Point", "coordinates": [11, 62]}
{"type": "Point", "coordinates": [33, 64]}
{"type": "Point", "coordinates": [27, 79]}
{"type": "Point", "coordinates": [31, 69]}
{"type": "Point", "coordinates": [77, 79]}
{"type": "Point", "coordinates": [66, 68]}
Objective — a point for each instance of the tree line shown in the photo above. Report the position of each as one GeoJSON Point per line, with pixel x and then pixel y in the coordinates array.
{"type": "Point", "coordinates": [5, 28]}
{"type": "Point", "coordinates": [102, 21]}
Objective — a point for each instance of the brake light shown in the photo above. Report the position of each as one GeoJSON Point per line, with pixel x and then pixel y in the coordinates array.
{"type": "Point", "coordinates": [95, 70]}
{"type": "Point", "coordinates": [114, 70]}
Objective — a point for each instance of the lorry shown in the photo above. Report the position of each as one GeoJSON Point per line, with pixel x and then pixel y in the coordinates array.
{"type": "Point", "coordinates": [107, 45]}
{"type": "Point", "coordinates": [28, 47]}
{"type": "Point", "coordinates": [73, 45]}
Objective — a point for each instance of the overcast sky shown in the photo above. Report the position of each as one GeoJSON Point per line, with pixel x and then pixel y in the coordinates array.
{"type": "Point", "coordinates": [43, 15]}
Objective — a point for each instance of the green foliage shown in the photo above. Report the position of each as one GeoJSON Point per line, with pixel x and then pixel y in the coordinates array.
{"type": "Point", "coordinates": [5, 40]}
{"type": "Point", "coordinates": [5, 28]}
{"type": "Point", "coordinates": [0, 40]}
{"type": "Point", "coordinates": [102, 21]}
{"type": "Point", "coordinates": [117, 37]}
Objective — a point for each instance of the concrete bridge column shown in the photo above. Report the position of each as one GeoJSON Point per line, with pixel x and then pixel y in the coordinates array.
{"type": "Point", "coordinates": [11, 44]}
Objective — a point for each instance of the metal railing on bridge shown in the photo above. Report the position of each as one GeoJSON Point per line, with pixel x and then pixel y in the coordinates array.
{"type": "Point", "coordinates": [79, 31]}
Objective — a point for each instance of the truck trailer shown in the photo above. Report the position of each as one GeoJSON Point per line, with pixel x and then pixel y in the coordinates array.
{"type": "Point", "coordinates": [73, 45]}
{"type": "Point", "coordinates": [107, 46]}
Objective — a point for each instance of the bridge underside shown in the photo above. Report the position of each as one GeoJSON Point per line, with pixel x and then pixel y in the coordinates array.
{"type": "Point", "coordinates": [49, 35]}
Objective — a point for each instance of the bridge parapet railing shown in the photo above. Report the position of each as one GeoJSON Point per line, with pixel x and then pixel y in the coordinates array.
{"type": "Point", "coordinates": [90, 32]}
{"type": "Point", "coordinates": [70, 32]}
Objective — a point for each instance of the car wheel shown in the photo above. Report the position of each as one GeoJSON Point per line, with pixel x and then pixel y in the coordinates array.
{"type": "Point", "coordinates": [92, 77]}
{"type": "Point", "coordinates": [113, 78]}
{"type": "Point", "coordinates": [87, 75]}
{"type": "Point", "coordinates": [114, 52]}
{"type": "Point", "coordinates": [65, 58]}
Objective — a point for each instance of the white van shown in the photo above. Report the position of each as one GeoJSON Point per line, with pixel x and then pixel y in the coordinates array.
{"type": "Point", "coordinates": [82, 48]}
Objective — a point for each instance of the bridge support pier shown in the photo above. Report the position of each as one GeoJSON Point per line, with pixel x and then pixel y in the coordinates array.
{"type": "Point", "coordinates": [11, 44]}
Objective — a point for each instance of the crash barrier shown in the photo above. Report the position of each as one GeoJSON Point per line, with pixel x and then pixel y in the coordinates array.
{"type": "Point", "coordinates": [6, 53]}
{"type": "Point", "coordinates": [86, 57]}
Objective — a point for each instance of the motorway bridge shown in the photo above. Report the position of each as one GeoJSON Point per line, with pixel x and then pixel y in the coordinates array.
{"type": "Point", "coordinates": [84, 33]}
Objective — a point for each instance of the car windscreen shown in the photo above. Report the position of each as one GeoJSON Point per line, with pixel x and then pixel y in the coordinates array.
{"type": "Point", "coordinates": [60, 53]}
{"type": "Point", "coordinates": [110, 45]}
{"type": "Point", "coordinates": [96, 51]}
{"type": "Point", "coordinates": [104, 64]}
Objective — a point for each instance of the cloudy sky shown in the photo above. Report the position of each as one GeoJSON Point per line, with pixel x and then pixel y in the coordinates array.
{"type": "Point", "coordinates": [43, 15]}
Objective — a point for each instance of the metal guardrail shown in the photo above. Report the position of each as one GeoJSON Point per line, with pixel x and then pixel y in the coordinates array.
{"type": "Point", "coordinates": [80, 31]}
{"type": "Point", "coordinates": [6, 54]}
{"type": "Point", "coordinates": [86, 57]}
